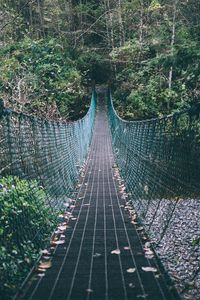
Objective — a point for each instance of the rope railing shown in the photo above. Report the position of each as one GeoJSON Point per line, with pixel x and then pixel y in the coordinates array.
{"type": "Point", "coordinates": [40, 164]}
{"type": "Point", "coordinates": [52, 152]}
{"type": "Point", "coordinates": [159, 160]}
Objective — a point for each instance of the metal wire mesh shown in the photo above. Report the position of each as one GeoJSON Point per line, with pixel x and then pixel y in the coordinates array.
{"type": "Point", "coordinates": [49, 152]}
{"type": "Point", "coordinates": [159, 160]}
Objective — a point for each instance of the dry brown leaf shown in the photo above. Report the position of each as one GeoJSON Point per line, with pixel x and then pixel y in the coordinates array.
{"type": "Point", "coordinates": [148, 251]}
{"type": "Point", "coordinates": [45, 264]}
{"type": "Point", "coordinates": [68, 213]}
{"type": "Point", "coordinates": [147, 245]}
{"type": "Point", "coordinates": [63, 227]}
{"type": "Point", "coordinates": [41, 270]}
{"type": "Point", "coordinates": [140, 228]}
{"type": "Point", "coordinates": [45, 257]}
{"type": "Point", "coordinates": [133, 222]}
{"type": "Point", "coordinates": [89, 291]}
{"type": "Point", "coordinates": [127, 248]}
{"type": "Point", "coordinates": [116, 251]}
{"type": "Point", "coordinates": [149, 269]}
{"type": "Point", "coordinates": [45, 252]}
{"type": "Point", "coordinates": [60, 242]}
{"type": "Point", "coordinates": [131, 270]}
{"type": "Point", "coordinates": [97, 255]}
{"type": "Point", "coordinates": [142, 296]}
{"type": "Point", "coordinates": [149, 256]}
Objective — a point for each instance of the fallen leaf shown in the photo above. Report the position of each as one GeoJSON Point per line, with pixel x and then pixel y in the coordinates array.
{"type": "Point", "coordinates": [133, 222]}
{"type": "Point", "coordinates": [41, 270]}
{"type": "Point", "coordinates": [127, 207]}
{"type": "Point", "coordinates": [62, 227]}
{"type": "Point", "coordinates": [131, 270]}
{"type": "Point", "coordinates": [97, 255]}
{"type": "Point", "coordinates": [45, 252]}
{"type": "Point", "coordinates": [142, 296]}
{"type": "Point", "coordinates": [140, 228]}
{"type": "Point", "coordinates": [116, 251]}
{"type": "Point", "coordinates": [89, 291]}
{"type": "Point", "coordinates": [45, 264]}
{"type": "Point", "coordinates": [60, 242]}
{"type": "Point", "coordinates": [46, 257]}
{"type": "Point", "coordinates": [149, 256]}
{"type": "Point", "coordinates": [146, 189]}
{"type": "Point", "coordinates": [149, 269]}
{"type": "Point", "coordinates": [58, 232]}
{"type": "Point", "coordinates": [67, 213]}
{"type": "Point", "coordinates": [127, 248]}
{"type": "Point", "coordinates": [148, 251]}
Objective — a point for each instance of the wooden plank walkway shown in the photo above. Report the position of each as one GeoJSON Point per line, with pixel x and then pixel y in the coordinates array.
{"type": "Point", "coordinates": [84, 267]}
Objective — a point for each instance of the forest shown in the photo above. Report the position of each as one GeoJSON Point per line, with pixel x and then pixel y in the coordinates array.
{"type": "Point", "coordinates": [51, 54]}
{"type": "Point", "coordinates": [52, 50]}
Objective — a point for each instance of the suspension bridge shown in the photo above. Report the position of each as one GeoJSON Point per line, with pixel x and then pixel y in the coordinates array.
{"type": "Point", "coordinates": [130, 229]}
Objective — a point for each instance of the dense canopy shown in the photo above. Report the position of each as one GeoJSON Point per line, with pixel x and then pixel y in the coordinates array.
{"type": "Point", "coordinates": [51, 50]}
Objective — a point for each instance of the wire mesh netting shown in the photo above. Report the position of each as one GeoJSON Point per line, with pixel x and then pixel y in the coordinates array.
{"type": "Point", "coordinates": [52, 152]}
{"type": "Point", "coordinates": [40, 164]}
{"type": "Point", "coordinates": [159, 160]}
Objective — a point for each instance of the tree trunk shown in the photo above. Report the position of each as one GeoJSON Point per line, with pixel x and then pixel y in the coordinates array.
{"type": "Point", "coordinates": [141, 29]}
{"type": "Point", "coordinates": [40, 4]}
{"type": "Point", "coordinates": [121, 27]}
{"type": "Point", "coordinates": [172, 42]}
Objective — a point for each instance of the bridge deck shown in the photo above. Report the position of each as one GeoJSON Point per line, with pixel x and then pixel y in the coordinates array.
{"type": "Point", "coordinates": [84, 267]}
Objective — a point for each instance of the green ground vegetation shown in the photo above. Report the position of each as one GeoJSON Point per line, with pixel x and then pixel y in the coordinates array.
{"type": "Point", "coordinates": [24, 213]}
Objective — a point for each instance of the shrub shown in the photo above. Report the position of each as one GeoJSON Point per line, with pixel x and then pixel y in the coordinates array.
{"type": "Point", "coordinates": [26, 222]}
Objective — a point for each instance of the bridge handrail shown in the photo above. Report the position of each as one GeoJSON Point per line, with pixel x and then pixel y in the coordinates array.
{"type": "Point", "coordinates": [159, 161]}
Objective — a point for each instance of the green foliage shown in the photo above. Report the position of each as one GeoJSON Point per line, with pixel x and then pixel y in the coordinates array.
{"type": "Point", "coordinates": [142, 86]}
{"type": "Point", "coordinates": [39, 76]}
{"type": "Point", "coordinates": [26, 223]}
{"type": "Point", "coordinates": [93, 67]}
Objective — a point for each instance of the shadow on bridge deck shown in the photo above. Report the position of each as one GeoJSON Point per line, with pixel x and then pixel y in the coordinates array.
{"type": "Point", "coordinates": [84, 267]}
